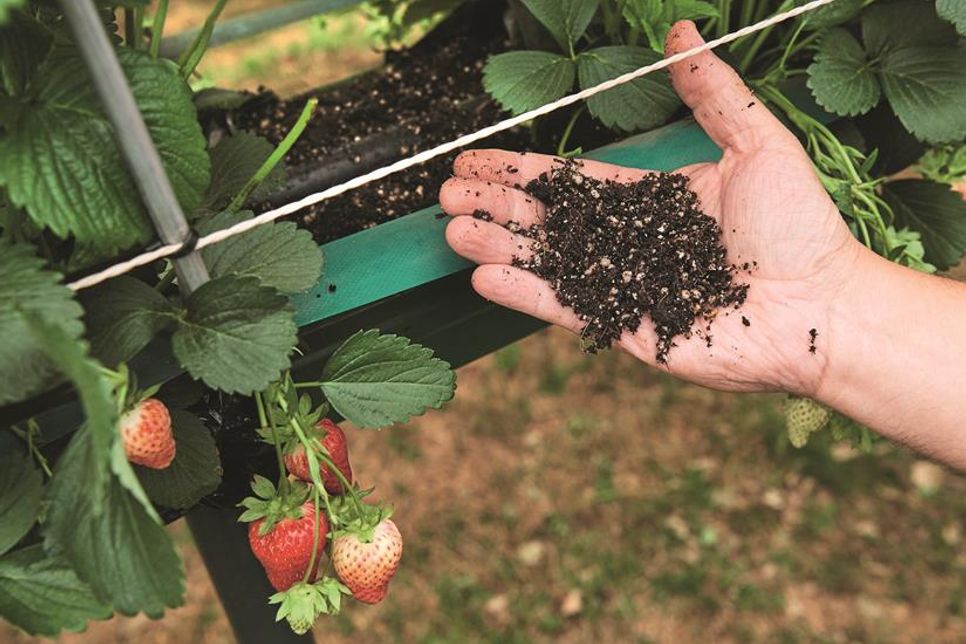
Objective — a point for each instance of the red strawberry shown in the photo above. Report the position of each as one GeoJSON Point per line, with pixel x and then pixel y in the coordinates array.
{"type": "Point", "coordinates": [147, 436]}
{"type": "Point", "coordinates": [368, 567]}
{"type": "Point", "coordinates": [285, 551]}
{"type": "Point", "coordinates": [333, 440]}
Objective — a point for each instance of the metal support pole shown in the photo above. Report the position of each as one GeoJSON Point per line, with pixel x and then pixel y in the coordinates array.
{"type": "Point", "coordinates": [132, 134]}
{"type": "Point", "coordinates": [222, 541]}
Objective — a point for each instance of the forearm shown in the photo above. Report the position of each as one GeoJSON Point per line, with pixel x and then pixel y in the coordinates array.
{"type": "Point", "coordinates": [896, 357]}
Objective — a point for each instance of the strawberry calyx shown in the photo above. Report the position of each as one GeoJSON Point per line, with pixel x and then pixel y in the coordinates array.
{"type": "Point", "coordinates": [271, 505]}
{"type": "Point", "coordinates": [358, 519]}
{"type": "Point", "coordinates": [304, 602]}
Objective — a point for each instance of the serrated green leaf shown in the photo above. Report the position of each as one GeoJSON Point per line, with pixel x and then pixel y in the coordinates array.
{"type": "Point", "coordinates": [566, 20]}
{"type": "Point", "coordinates": [937, 212]}
{"type": "Point", "coordinates": [376, 380]}
{"type": "Point", "coordinates": [27, 288]}
{"type": "Point", "coordinates": [237, 334]}
{"type": "Point", "coordinates": [59, 159]}
{"type": "Point", "coordinates": [122, 316]}
{"type": "Point", "coordinates": [120, 551]}
{"type": "Point", "coordinates": [638, 105]}
{"type": "Point", "coordinates": [6, 7]}
{"type": "Point", "coordinates": [926, 87]}
{"type": "Point", "coordinates": [21, 490]}
{"type": "Point", "coordinates": [832, 15]}
{"type": "Point", "coordinates": [195, 470]}
{"type": "Point", "coordinates": [954, 11]}
{"type": "Point", "coordinates": [97, 398]}
{"type": "Point", "coordinates": [233, 162]}
{"type": "Point", "coordinates": [43, 596]}
{"type": "Point", "coordinates": [841, 78]}
{"type": "Point", "coordinates": [24, 43]}
{"type": "Point", "coordinates": [888, 26]}
{"type": "Point", "coordinates": [523, 80]}
{"type": "Point", "coordinates": [280, 255]}
{"type": "Point", "coordinates": [692, 9]}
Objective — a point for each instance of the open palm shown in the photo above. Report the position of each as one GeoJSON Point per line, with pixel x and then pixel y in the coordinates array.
{"type": "Point", "coordinates": [772, 209]}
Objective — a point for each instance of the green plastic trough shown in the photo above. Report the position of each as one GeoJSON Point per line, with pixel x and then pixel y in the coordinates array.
{"type": "Point", "coordinates": [400, 277]}
{"type": "Point", "coordinates": [410, 251]}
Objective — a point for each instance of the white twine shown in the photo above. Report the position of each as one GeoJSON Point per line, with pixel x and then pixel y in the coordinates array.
{"type": "Point", "coordinates": [444, 148]}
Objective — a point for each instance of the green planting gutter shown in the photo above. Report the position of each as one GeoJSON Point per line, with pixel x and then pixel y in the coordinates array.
{"type": "Point", "coordinates": [410, 251]}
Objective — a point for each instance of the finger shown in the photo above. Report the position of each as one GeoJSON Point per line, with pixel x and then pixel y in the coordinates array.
{"type": "Point", "coordinates": [460, 196]}
{"type": "Point", "coordinates": [523, 291]}
{"type": "Point", "coordinates": [484, 242]}
{"type": "Point", "coordinates": [724, 106]}
{"type": "Point", "coordinates": [517, 169]}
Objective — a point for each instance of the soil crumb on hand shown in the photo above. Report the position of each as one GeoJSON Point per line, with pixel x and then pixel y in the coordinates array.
{"type": "Point", "coordinates": [616, 252]}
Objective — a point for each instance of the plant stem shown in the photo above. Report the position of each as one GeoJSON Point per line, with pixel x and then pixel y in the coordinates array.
{"type": "Point", "coordinates": [724, 17]}
{"type": "Point", "coordinates": [189, 60]}
{"type": "Point", "coordinates": [315, 535]}
{"type": "Point", "coordinates": [276, 156]}
{"type": "Point", "coordinates": [565, 137]}
{"type": "Point", "coordinates": [283, 483]}
{"type": "Point", "coordinates": [130, 39]}
{"type": "Point", "coordinates": [157, 27]}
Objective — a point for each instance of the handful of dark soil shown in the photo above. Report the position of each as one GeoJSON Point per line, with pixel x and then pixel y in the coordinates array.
{"type": "Point", "coordinates": [615, 252]}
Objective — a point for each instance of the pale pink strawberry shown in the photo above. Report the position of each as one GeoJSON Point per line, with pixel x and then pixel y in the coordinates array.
{"type": "Point", "coordinates": [147, 436]}
{"type": "Point", "coordinates": [368, 567]}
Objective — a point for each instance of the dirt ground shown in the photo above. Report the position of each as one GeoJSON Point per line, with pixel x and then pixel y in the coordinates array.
{"type": "Point", "coordinates": [568, 498]}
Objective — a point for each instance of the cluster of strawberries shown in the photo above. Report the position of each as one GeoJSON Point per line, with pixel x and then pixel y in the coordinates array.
{"type": "Point", "coordinates": [365, 563]}
{"type": "Point", "coordinates": [289, 529]}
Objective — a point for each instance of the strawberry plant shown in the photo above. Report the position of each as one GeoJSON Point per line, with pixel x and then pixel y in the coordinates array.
{"type": "Point", "coordinates": [889, 73]}
{"type": "Point", "coordinates": [81, 535]}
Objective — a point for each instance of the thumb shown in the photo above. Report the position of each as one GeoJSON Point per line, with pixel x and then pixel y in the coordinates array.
{"type": "Point", "coordinates": [722, 104]}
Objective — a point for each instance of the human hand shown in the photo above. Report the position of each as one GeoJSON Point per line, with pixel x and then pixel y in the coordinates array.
{"type": "Point", "coordinates": [770, 205]}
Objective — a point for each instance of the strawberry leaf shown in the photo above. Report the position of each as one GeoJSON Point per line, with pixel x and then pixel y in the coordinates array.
{"type": "Point", "coordinates": [954, 11]}
{"type": "Point", "coordinates": [638, 105]}
{"type": "Point", "coordinates": [237, 334]}
{"type": "Point", "coordinates": [27, 288]}
{"type": "Point", "coordinates": [566, 20]}
{"type": "Point", "coordinates": [926, 87]}
{"type": "Point", "coordinates": [234, 160]}
{"type": "Point", "coordinates": [194, 472]}
{"type": "Point", "coordinates": [122, 316]}
{"type": "Point", "coordinates": [21, 489]}
{"type": "Point", "coordinates": [280, 255]}
{"type": "Point", "coordinates": [831, 15]}
{"type": "Point", "coordinates": [937, 212]}
{"type": "Point", "coordinates": [120, 551]}
{"type": "Point", "coordinates": [376, 380]}
{"type": "Point", "coordinates": [523, 80]}
{"type": "Point", "coordinates": [841, 78]}
{"type": "Point", "coordinates": [43, 596]}
{"type": "Point", "coordinates": [97, 398]}
{"type": "Point", "coordinates": [46, 162]}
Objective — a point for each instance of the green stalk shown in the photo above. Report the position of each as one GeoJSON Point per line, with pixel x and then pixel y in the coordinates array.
{"type": "Point", "coordinates": [315, 535]}
{"type": "Point", "coordinates": [724, 17]}
{"type": "Point", "coordinates": [276, 156]}
{"type": "Point", "coordinates": [157, 27]}
{"type": "Point", "coordinates": [759, 40]}
{"type": "Point", "coordinates": [283, 483]}
{"type": "Point", "coordinates": [189, 60]}
{"type": "Point", "coordinates": [565, 137]}
{"type": "Point", "coordinates": [129, 29]}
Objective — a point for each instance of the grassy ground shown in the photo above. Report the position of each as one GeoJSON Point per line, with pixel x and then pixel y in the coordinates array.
{"type": "Point", "coordinates": [563, 497]}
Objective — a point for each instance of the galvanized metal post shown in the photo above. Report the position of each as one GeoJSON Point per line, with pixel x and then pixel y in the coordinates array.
{"type": "Point", "coordinates": [222, 541]}
{"type": "Point", "coordinates": [133, 136]}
